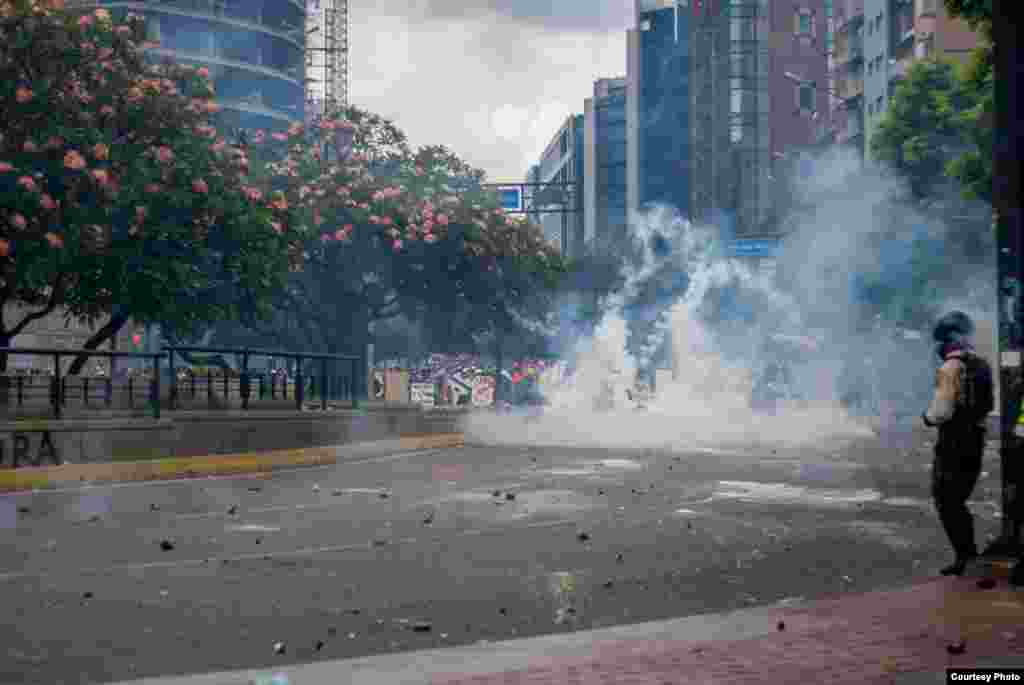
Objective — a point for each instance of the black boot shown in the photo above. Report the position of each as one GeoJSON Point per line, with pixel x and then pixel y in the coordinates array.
{"type": "Point", "coordinates": [1017, 574]}
{"type": "Point", "coordinates": [958, 567]}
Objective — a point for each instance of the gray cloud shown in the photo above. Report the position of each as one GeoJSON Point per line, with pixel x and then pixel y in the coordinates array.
{"type": "Point", "coordinates": [568, 15]}
{"type": "Point", "coordinates": [492, 88]}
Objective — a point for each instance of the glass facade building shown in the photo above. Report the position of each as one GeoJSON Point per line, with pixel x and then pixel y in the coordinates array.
{"type": "Point", "coordinates": [254, 50]}
{"type": "Point", "coordinates": [605, 164]}
{"type": "Point", "coordinates": [659, 76]}
{"type": "Point", "coordinates": [561, 163]}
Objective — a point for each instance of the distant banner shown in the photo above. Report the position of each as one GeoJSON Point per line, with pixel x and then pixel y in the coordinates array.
{"type": "Point", "coordinates": [422, 394]}
{"type": "Point", "coordinates": [483, 391]}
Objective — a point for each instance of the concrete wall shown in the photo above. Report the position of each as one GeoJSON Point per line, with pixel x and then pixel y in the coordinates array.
{"type": "Point", "coordinates": [93, 440]}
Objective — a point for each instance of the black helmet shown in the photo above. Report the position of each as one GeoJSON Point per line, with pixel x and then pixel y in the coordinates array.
{"type": "Point", "coordinates": [953, 327]}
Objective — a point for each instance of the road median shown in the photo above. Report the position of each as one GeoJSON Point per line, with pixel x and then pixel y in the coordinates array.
{"type": "Point", "coordinates": [47, 477]}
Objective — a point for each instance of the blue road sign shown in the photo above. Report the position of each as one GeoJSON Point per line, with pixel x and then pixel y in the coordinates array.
{"type": "Point", "coordinates": [511, 199]}
{"type": "Point", "coordinates": [753, 247]}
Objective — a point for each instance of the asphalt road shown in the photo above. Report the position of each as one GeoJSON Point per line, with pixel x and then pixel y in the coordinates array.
{"type": "Point", "coordinates": [446, 547]}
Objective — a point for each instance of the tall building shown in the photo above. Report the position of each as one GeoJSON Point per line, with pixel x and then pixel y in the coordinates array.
{"type": "Point", "coordinates": [254, 50]}
{"type": "Point", "coordinates": [561, 164]}
{"type": "Point", "coordinates": [760, 83]}
{"type": "Point", "coordinates": [604, 164]}
{"type": "Point", "coordinates": [877, 42]}
{"type": "Point", "coordinates": [327, 49]}
{"type": "Point", "coordinates": [848, 61]}
{"type": "Point", "coordinates": [659, 151]}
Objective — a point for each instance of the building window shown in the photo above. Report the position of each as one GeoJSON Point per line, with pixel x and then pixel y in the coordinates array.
{"type": "Point", "coordinates": [804, 26]}
{"type": "Point", "coordinates": [805, 97]}
{"type": "Point", "coordinates": [871, 108]}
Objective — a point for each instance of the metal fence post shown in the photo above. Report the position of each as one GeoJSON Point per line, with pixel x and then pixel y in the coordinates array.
{"type": "Point", "coordinates": [174, 379]}
{"type": "Point", "coordinates": [323, 384]}
{"type": "Point", "coordinates": [55, 387]}
{"type": "Point", "coordinates": [355, 382]}
{"type": "Point", "coordinates": [243, 383]}
{"type": "Point", "coordinates": [155, 386]}
{"type": "Point", "coordinates": [300, 391]}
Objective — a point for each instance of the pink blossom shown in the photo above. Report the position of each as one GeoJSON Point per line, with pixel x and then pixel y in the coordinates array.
{"type": "Point", "coordinates": [442, 219]}
{"type": "Point", "coordinates": [203, 72]}
{"type": "Point", "coordinates": [100, 176]}
{"type": "Point", "coordinates": [150, 45]}
{"type": "Point", "coordinates": [199, 186]}
{"type": "Point", "coordinates": [344, 191]}
{"type": "Point", "coordinates": [54, 143]}
{"type": "Point", "coordinates": [30, 146]}
{"type": "Point", "coordinates": [47, 202]}
{"type": "Point", "coordinates": [18, 221]}
{"type": "Point", "coordinates": [218, 146]}
{"type": "Point", "coordinates": [123, 30]}
{"type": "Point", "coordinates": [259, 137]}
{"type": "Point", "coordinates": [429, 238]}
{"type": "Point", "coordinates": [386, 221]}
{"type": "Point", "coordinates": [6, 167]}
{"type": "Point", "coordinates": [140, 214]}
{"type": "Point", "coordinates": [277, 227]}
{"type": "Point", "coordinates": [106, 110]}
{"type": "Point", "coordinates": [279, 136]}
{"type": "Point", "coordinates": [54, 240]}
{"type": "Point", "coordinates": [27, 183]}
{"type": "Point", "coordinates": [74, 160]}
{"type": "Point", "coordinates": [295, 129]}
{"type": "Point", "coordinates": [253, 194]}
{"type": "Point", "coordinates": [84, 20]}
{"type": "Point", "coordinates": [23, 94]}
{"type": "Point", "coordinates": [325, 238]}
{"type": "Point", "coordinates": [303, 192]}
{"type": "Point", "coordinates": [397, 245]}
{"type": "Point", "coordinates": [153, 188]}
{"type": "Point", "coordinates": [164, 153]}
{"type": "Point", "coordinates": [419, 170]}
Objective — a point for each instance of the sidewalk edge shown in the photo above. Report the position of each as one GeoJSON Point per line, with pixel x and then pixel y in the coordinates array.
{"type": "Point", "coordinates": [44, 477]}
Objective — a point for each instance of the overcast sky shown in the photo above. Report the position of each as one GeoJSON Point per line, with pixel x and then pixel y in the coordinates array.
{"type": "Point", "coordinates": [490, 79]}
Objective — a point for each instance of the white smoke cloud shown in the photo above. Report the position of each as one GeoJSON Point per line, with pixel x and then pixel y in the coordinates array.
{"type": "Point", "coordinates": [836, 237]}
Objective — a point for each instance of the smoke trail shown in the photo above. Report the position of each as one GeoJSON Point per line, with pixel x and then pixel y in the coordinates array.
{"type": "Point", "coordinates": [823, 341]}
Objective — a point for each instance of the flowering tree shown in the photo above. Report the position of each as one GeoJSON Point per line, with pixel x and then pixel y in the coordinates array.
{"type": "Point", "coordinates": [116, 195]}
{"type": "Point", "coordinates": [388, 234]}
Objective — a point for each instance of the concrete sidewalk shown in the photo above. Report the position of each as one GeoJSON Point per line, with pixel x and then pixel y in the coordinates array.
{"type": "Point", "coordinates": [46, 477]}
{"type": "Point", "coordinates": [896, 636]}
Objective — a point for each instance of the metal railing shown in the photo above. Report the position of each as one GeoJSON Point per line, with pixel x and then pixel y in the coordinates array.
{"type": "Point", "coordinates": [327, 384]}
{"type": "Point", "coordinates": [59, 389]}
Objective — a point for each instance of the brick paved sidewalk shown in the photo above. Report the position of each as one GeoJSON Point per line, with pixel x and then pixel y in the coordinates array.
{"type": "Point", "coordinates": [874, 638]}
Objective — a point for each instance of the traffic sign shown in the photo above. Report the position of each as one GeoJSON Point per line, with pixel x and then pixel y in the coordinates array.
{"type": "Point", "coordinates": [511, 199]}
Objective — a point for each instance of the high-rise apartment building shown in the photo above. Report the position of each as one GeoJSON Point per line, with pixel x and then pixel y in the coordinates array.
{"type": "Point", "coordinates": [658, 106]}
{"type": "Point", "coordinates": [561, 165]}
{"type": "Point", "coordinates": [877, 41]}
{"type": "Point", "coordinates": [254, 50]}
{"type": "Point", "coordinates": [604, 164]}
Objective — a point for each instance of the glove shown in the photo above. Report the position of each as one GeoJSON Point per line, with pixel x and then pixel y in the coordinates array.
{"type": "Point", "coordinates": [924, 417]}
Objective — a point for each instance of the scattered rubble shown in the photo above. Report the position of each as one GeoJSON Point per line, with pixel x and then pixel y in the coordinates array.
{"type": "Point", "coordinates": [957, 647]}
{"type": "Point", "coordinates": [232, 510]}
{"type": "Point", "coordinates": [510, 496]}
{"type": "Point", "coordinates": [781, 625]}
{"type": "Point", "coordinates": [279, 648]}
{"type": "Point", "coordinates": [422, 627]}
{"type": "Point", "coordinates": [166, 545]}
{"type": "Point", "coordinates": [583, 537]}
{"type": "Point", "coordinates": [987, 583]}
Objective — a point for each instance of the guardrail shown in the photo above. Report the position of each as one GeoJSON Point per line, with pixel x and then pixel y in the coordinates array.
{"type": "Point", "coordinates": [59, 393]}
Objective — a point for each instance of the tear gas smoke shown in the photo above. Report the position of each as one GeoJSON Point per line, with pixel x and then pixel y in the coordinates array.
{"type": "Point", "coordinates": [727, 330]}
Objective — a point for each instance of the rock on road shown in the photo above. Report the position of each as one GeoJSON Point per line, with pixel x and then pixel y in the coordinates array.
{"type": "Point", "coordinates": [445, 547]}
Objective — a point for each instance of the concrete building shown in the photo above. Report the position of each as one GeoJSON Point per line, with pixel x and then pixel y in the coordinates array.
{"type": "Point", "coordinates": [877, 41]}
{"type": "Point", "coordinates": [760, 82]}
{"type": "Point", "coordinates": [254, 50]}
{"type": "Point", "coordinates": [561, 163]}
{"type": "Point", "coordinates": [604, 164]}
{"type": "Point", "coordinates": [658, 98]}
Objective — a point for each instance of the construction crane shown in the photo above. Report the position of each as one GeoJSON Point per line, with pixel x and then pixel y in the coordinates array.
{"type": "Point", "coordinates": [327, 23]}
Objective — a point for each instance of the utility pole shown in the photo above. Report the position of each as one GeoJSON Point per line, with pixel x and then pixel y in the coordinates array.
{"type": "Point", "coordinates": [1007, 156]}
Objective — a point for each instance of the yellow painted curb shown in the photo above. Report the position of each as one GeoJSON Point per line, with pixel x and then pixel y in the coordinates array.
{"type": "Point", "coordinates": [43, 477]}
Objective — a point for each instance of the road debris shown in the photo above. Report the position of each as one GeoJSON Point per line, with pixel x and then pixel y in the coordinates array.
{"type": "Point", "coordinates": [422, 627]}
{"type": "Point", "coordinates": [319, 645]}
{"type": "Point", "coordinates": [510, 496]}
{"type": "Point", "coordinates": [781, 625]}
{"type": "Point", "coordinates": [987, 583]}
{"type": "Point", "coordinates": [166, 545]}
{"type": "Point", "coordinates": [583, 536]}
{"type": "Point", "coordinates": [23, 510]}
{"type": "Point", "coordinates": [619, 558]}
{"type": "Point", "coordinates": [957, 647]}
{"type": "Point", "coordinates": [154, 507]}
{"type": "Point", "coordinates": [279, 648]}
{"type": "Point", "coordinates": [87, 595]}
{"type": "Point", "coordinates": [255, 488]}
{"type": "Point", "coordinates": [232, 510]}
{"type": "Point", "coordinates": [316, 487]}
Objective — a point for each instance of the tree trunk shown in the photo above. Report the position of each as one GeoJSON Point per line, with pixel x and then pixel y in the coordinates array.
{"type": "Point", "coordinates": [108, 331]}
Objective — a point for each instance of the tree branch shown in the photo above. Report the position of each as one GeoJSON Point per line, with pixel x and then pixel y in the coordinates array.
{"type": "Point", "coordinates": [56, 295]}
